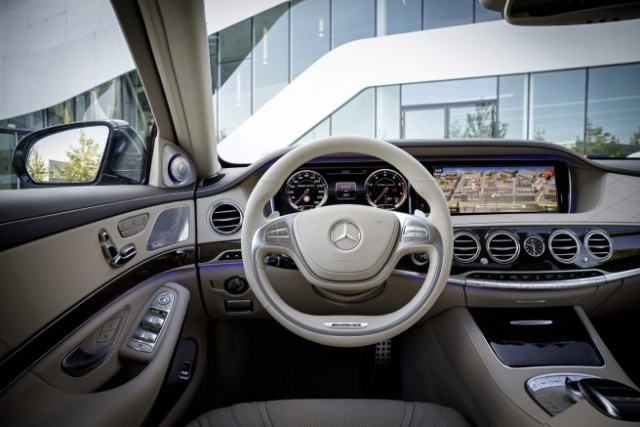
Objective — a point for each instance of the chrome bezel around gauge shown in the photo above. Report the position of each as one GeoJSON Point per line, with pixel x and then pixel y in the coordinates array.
{"type": "Point", "coordinates": [389, 174]}
{"type": "Point", "coordinates": [319, 182]}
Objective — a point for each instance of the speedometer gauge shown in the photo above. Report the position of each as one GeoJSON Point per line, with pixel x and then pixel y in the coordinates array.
{"type": "Point", "coordinates": [306, 190]}
{"type": "Point", "coordinates": [385, 189]}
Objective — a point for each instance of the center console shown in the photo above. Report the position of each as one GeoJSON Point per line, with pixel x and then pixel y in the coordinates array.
{"type": "Point", "coordinates": [528, 367]}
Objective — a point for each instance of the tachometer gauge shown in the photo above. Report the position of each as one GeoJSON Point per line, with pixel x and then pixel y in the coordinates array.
{"type": "Point", "coordinates": [385, 189]}
{"type": "Point", "coordinates": [306, 190]}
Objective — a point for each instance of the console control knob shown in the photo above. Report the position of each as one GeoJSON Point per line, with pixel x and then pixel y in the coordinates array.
{"type": "Point", "coordinates": [236, 285]}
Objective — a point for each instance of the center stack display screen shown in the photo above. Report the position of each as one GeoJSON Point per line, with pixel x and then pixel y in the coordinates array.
{"type": "Point", "coordinates": [497, 189]}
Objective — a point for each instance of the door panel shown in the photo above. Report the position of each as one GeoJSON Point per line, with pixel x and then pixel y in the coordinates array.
{"type": "Point", "coordinates": [121, 390]}
{"type": "Point", "coordinates": [48, 276]}
{"type": "Point", "coordinates": [61, 291]}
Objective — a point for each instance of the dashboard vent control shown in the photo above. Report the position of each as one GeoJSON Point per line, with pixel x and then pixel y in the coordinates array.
{"type": "Point", "coordinates": [226, 218]}
{"type": "Point", "coordinates": [564, 246]}
{"type": "Point", "coordinates": [466, 247]}
{"type": "Point", "coordinates": [503, 247]}
{"type": "Point", "coordinates": [598, 244]}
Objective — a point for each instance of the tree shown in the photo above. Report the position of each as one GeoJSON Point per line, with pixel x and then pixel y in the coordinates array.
{"type": "Point", "coordinates": [634, 142]}
{"type": "Point", "coordinates": [539, 135]}
{"type": "Point", "coordinates": [480, 124]}
{"type": "Point", "coordinates": [598, 143]}
{"type": "Point", "coordinates": [83, 161]}
{"type": "Point", "coordinates": [36, 167]}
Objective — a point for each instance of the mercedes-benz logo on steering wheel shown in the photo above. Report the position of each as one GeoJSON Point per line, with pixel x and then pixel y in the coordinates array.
{"type": "Point", "coordinates": [345, 235]}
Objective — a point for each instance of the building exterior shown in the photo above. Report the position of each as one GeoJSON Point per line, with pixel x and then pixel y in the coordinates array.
{"type": "Point", "coordinates": [288, 72]}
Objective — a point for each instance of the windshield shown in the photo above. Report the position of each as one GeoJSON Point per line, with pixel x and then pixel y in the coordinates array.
{"type": "Point", "coordinates": [288, 73]}
{"type": "Point", "coordinates": [285, 73]}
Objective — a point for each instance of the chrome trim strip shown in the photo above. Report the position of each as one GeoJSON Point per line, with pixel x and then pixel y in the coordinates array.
{"type": "Point", "coordinates": [546, 285]}
{"type": "Point", "coordinates": [531, 322]}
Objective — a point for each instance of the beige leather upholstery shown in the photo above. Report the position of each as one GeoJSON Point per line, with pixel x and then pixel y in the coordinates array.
{"type": "Point", "coordinates": [332, 413]}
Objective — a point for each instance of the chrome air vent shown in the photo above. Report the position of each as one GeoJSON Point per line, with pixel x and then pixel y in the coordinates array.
{"type": "Point", "coordinates": [564, 246]}
{"type": "Point", "coordinates": [225, 218]}
{"type": "Point", "coordinates": [503, 247]}
{"type": "Point", "coordinates": [598, 244]}
{"type": "Point", "coordinates": [466, 247]}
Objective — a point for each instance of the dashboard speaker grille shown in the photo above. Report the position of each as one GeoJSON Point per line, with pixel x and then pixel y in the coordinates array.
{"type": "Point", "coordinates": [503, 247]}
{"type": "Point", "coordinates": [598, 244]}
{"type": "Point", "coordinates": [226, 218]}
{"type": "Point", "coordinates": [564, 246]}
{"type": "Point", "coordinates": [466, 247]}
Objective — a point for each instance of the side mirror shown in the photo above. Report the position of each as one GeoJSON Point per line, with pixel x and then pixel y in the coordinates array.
{"type": "Point", "coordinates": [83, 153]}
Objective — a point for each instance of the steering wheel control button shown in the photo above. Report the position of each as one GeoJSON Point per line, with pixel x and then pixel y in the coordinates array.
{"type": "Point", "coordinates": [278, 232]}
{"type": "Point", "coordinates": [345, 235]}
{"type": "Point", "coordinates": [414, 231]}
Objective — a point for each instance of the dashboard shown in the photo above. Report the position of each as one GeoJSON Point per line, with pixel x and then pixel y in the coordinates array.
{"type": "Point", "coordinates": [531, 221]}
{"type": "Point", "coordinates": [470, 188]}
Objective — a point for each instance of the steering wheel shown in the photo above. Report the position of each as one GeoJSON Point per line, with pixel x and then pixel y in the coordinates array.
{"type": "Point", "coordinates": [347, 249]}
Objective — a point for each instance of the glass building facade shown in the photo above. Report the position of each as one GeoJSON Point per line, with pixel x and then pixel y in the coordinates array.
{"type": "Point", "coordinates": [255, 59]}
{"type": "Point", "coordinates": [595, 111]}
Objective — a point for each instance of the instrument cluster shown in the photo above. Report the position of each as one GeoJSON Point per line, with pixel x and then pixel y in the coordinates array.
{"type": "Point", "coordinates": [378, 186]}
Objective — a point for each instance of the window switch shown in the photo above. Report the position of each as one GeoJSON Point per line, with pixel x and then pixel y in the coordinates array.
{"type": "Point", "coordinates": [145, 336]}
{"type": "Point", "coordinates": [185, 370]}
{"type": "Point", "coordinates": [152, 322]}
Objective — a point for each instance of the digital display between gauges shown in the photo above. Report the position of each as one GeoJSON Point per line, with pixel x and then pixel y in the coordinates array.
{"type": "Point", "coordinates": [306, 190]}
{"type": "Point", "coordinates": [385, 189]}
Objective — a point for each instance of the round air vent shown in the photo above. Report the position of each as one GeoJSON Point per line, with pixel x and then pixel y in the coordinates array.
{"type": "Point", "coordinates": [564, 246]}
{"type": "Point", "coordinates": [225, 218]}
{"type": "Point", "coordinates": [598, 244]}
{"type": "Point", "coordinates": [503, 247]}
{"type": "Point", "coordinates": [466, 247]}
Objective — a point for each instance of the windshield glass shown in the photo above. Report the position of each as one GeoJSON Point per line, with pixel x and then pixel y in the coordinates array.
{"type": "Point", "coordinates": [285, 73]}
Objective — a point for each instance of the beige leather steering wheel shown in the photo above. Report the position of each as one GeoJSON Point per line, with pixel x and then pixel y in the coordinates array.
{"type": "Point", "coordinates": [347, 248]}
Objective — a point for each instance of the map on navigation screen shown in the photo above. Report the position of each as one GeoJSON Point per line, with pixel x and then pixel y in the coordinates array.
{"type": "Point", "coordinates": [495, 189]}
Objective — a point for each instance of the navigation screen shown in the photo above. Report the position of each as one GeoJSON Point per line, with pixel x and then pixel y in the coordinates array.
{"type": "Point", "coordinates": [495, 189]}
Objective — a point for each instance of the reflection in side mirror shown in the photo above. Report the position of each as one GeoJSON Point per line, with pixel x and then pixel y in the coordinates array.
{"type": "Point", "coordinates": [72, 156]}
{"type": "Point", "coordinates": [104, 152]}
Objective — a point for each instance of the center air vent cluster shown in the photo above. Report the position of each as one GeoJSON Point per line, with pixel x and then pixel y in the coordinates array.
{"type": "Point", "coordinates": [504, 246]}
{"type": "Point", "coordinates": [225, 218]}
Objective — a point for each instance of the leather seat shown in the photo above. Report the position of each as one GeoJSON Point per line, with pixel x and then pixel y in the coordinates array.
{"type": "Point", "coordinates": [332, 413]}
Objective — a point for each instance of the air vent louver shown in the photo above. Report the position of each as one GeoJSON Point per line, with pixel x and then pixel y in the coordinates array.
{"type": "Point", "coordinates": [226, 218]}
{"type": "Point", "coordinates": [564, 246]}
{"type": "Point", "coordinates": [598, 244]}
{"type": "Point", "coordinates": [466, 247]}
{"type": "Point", "coordinates": [503, 247]}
